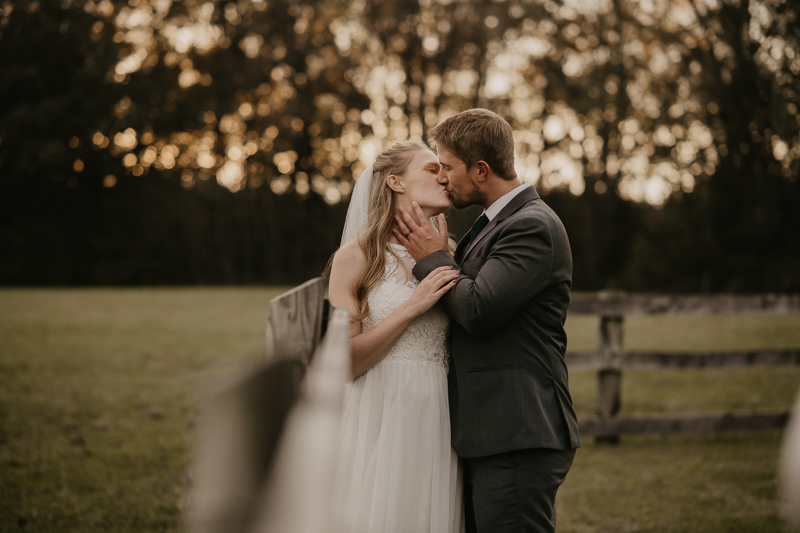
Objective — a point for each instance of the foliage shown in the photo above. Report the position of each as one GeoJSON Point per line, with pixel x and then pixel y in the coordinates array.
{"type": "Point", "coordinates": [688, 106]}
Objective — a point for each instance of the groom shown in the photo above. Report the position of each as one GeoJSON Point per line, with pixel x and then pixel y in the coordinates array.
{"type": "Point", "coordinates": [510, 408]}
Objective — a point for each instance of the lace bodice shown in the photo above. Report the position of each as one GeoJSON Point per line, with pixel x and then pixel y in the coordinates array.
{"type": "Point", "coordinates": [425, 340]}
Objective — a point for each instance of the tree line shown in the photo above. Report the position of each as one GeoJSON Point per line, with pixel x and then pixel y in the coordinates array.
{"type": "Point", "coordinates": [158, 142]}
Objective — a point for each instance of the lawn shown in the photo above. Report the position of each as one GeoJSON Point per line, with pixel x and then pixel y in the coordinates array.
{"type": "Point", "coordinates": [99, 391]}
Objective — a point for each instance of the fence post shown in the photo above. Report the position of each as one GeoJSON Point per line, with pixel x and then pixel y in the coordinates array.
{"type": "Point", "coordinates": [300, 494]}
{"type": "Point", "coordinates": [609, 377]}
{"type": "Point", "coordinates": [294, 327]}
{"type": "Point", "coordinates": [243, 423]}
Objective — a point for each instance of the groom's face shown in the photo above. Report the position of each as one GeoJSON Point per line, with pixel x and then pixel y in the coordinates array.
{"type": "Point", "coordinates": [460, 182]}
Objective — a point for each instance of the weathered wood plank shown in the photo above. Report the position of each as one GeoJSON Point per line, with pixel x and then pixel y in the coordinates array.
{"type": "Point", "coordinates": [300, 492]}
{"type": "Point", "coordinates": [238, 433]}
{"type": "Point", "coordinates": [685, 423]}
{"type": "Point", "coordinates": [609, 379]}
{"type": "Point", "coordinates": [294, 326]}
{"type": "Point", "coordinates": [617, 303]}
{"type": "Point", "coordinates": [583, 361]}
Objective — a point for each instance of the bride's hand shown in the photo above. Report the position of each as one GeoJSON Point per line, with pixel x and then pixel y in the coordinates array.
{"type": "Point", "coordinates": [431, 289]}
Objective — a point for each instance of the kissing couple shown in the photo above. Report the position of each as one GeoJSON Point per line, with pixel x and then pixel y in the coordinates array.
{"type": "Point", "coordinates": [459, 415]}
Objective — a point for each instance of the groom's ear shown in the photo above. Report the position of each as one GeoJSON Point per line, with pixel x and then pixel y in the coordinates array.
{"type": "Point", "coordinates": [483, 170]}
{"type": "Point", "coordinates": [393, 182]}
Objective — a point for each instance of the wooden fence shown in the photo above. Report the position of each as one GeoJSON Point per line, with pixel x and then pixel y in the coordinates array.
{"type": "Point", "coordinates": [269, 442]}
{"type": "Point", "coordinates": [611, 359]}
{"type": "Point", "coordinates": [297, 315]}
{"type": "Point", "coordinates": [296, 323]}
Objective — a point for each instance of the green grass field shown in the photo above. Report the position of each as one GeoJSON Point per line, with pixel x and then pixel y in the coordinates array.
{"type": "Point", "coordinates": [99, 391]}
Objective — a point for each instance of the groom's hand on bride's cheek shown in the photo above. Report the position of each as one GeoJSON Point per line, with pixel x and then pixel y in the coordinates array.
{"type": "Point", "coordinates": [420, 239]}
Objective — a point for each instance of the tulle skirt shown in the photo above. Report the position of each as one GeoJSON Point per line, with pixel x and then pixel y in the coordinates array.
{"type": "Point", "coordinates": [397, 470]}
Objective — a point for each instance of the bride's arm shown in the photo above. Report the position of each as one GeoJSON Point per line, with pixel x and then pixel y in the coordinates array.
{"type": "Point", "coordinates": [368, 348]}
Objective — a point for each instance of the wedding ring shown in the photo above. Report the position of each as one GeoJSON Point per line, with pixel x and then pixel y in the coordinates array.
{"type": "Point", "coordinates": [407, 234]}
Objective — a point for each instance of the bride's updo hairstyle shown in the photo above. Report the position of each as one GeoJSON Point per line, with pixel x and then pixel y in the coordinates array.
{"type": "Point", "coordinates": [374, 238]}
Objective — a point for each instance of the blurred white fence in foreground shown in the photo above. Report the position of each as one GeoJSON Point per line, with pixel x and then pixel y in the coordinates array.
{"type": "Point", "coordinates": [300, 492]}
{"type": "Point", "coordinates": [269, 444]}
{"type": "Point", "coordinates": [789, 469]}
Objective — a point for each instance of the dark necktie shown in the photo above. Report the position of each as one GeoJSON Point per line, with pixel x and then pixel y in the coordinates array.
{"type": "Point", "coordinates": [481, 223]}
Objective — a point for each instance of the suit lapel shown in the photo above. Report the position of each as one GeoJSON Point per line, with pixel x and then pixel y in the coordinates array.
{"type": "Point", "coordinates": [528, 195]}
{"type": "Point", "coordinates": [461, 248]}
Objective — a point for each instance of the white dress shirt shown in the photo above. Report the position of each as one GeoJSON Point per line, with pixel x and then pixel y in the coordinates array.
{"type": "Point", "coordinates": [503, 201]}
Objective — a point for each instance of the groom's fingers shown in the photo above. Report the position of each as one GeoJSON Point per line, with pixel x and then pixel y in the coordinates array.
{"type": "Point", "coordinates": [418, 211]}
{"type": "Point", "coordinates": [401, 225]}
{"type": "Point", "coordinates": [409, 220]}
{"type": "Point", "coordinates": [401, 237]}
{"type": "Point", "coordinates": [442, 224]}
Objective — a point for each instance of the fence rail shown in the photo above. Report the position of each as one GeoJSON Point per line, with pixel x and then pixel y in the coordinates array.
{"type": "Point", "coordinates": [685, 423]}
{"type": "Point", "coordinates": [610, 359]}
{"type": "Point", "coordinates": [579, 361]}
{"type": "Point", "coordinates": [608, 303]}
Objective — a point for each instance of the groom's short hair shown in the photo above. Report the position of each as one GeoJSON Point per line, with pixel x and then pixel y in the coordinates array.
{"type": "Point", "coordinates": [477, 135]}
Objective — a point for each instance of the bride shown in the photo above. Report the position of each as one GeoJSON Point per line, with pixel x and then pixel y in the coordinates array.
{"type": "Point", "coordinates": [397, 470]}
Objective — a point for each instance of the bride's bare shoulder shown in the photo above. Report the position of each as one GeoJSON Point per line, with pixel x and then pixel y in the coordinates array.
{"type": "Point", "coordinates": [348, 261]}
{"type": "Point", "coordinates": [350, 254]}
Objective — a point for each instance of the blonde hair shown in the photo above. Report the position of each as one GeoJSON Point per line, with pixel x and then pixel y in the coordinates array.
{"type": "Point", "coordinates": [374, 240]}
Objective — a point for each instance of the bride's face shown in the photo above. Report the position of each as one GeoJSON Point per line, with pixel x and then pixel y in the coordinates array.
{"type": "Point", "coordinates": [421, 185]}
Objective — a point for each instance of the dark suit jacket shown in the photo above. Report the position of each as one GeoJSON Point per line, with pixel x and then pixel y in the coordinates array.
{"type": "Point", "coordinates": [508, 386]}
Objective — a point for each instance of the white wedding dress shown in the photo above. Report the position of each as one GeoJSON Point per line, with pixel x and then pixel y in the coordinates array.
{"type": "Point", "coordinates": [397, 470]}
